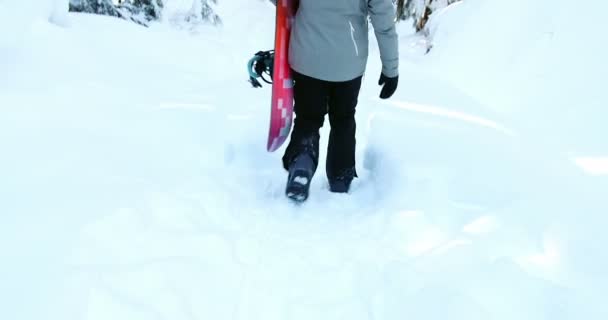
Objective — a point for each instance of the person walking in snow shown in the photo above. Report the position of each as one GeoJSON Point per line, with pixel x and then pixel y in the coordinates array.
{"type": "Point", "coordinates": [328, 54]}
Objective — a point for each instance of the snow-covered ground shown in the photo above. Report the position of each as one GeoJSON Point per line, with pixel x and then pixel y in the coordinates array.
{"type": "Point", "coordinates": [134, 182]}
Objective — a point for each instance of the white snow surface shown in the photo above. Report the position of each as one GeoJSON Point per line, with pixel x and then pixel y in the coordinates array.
{"type": "Point", "coordinates": [134, 181]}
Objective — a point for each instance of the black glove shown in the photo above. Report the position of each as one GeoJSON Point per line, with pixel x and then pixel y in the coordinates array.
{"type": "Point", "coordinates": [390, 85]}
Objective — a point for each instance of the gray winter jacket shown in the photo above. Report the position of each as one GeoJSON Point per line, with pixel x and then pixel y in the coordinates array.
{"type": "Point", "coordinates": [329, 38]}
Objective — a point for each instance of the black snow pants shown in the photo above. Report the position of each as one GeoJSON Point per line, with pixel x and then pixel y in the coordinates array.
{"type": "Point", "coordinates": [314, 99]}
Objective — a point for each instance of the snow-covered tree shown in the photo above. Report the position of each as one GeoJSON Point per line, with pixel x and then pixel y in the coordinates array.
{"type": "Point", "coordinates": [420, 10]}
{"type": "Point", "coordinates": [103, 7]}
{"type": "Point", "coordinates": [195, 12]}
{"type": "Point", "coordinates": [143, 10]}
{"type": "Point", "coordinates": [206, 11]}
{"type": "Point", "coordinates": [140, 11]}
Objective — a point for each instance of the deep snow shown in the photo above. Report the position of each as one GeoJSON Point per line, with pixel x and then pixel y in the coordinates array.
{"type": "Point", "coordinates": [135, 184]}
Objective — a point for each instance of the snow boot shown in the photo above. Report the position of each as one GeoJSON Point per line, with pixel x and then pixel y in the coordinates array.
{"type": "Point", "coordinates": [341, 183]}
{"type": "Point", "coordinates": [301, 170]}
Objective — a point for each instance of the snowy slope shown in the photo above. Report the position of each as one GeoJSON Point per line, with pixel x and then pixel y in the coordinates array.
{"type": "Point", "coordinates": [135, 184]}
{"type": "Point", "coordinates": [542, 65]}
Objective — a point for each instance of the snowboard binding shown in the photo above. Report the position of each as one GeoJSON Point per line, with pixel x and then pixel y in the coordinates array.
{"type": "Point", "coordinates": [261, 63]}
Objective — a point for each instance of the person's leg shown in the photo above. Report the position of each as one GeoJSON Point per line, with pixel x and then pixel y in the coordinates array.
{"type": "Point", "coordinates": [311, 98]}
{"type": "Point", "coordinates": [341, 148]}
{"type": "Point", "coordinates": [302, 154]}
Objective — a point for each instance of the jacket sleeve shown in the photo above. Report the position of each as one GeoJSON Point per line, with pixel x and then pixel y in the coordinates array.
{"type": "Point", "coordinates": [382, 15]}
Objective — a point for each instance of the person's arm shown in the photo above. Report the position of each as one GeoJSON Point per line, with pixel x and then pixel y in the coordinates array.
{"type": "Point", "coordinates": [382, 15]}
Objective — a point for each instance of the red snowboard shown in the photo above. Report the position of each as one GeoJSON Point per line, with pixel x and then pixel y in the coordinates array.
{"type": "Point", "coordinates": [282, 83]}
